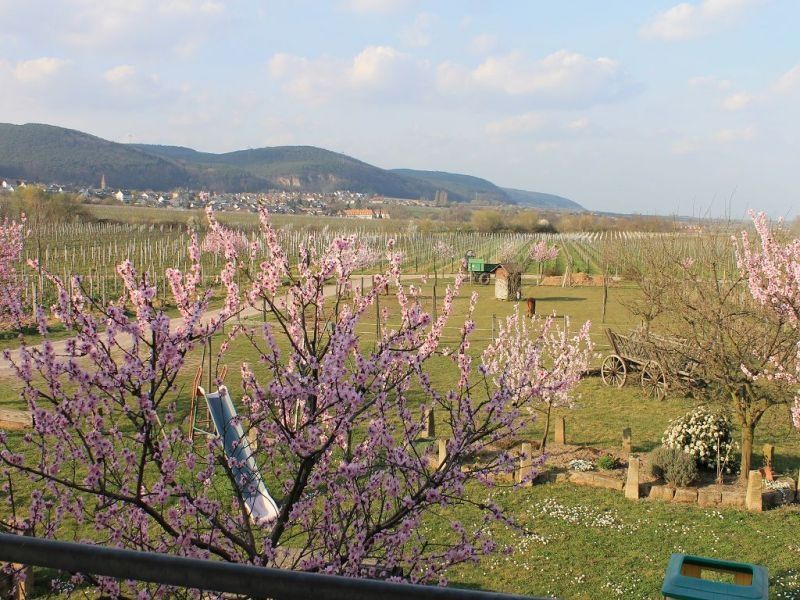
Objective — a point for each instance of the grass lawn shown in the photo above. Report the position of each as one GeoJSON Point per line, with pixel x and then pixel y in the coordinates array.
{"type": "Point", "coordinates": [588, 543]}
{"type": "Point", "coordinates": [593, 544]}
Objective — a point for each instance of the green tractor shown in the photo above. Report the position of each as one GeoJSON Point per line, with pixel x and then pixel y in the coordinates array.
{"type": "Point", "coordinates": [479, 270]}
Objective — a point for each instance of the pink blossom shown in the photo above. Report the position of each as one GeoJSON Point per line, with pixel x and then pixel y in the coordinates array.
{"type": "Point", "coordinates": [335, 414]}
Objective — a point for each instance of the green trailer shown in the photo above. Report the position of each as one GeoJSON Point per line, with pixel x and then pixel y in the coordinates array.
{"type": "Point", "coordinates": [479, 271]}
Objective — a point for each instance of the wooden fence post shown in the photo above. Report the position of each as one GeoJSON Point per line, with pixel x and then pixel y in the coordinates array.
{"type": "Point", "coordinates": [561, 431]}
{"type": "Point", "coordinates": [429, 430]}
{"type": "Point", "coordinates": [442, 452]}
{"type": "Point", "coordinates": [626, 440]}
{"type": "Point", "coordinates": [377, 313]}
{"type": "Point", "coordinates": [632, 479]}
{"type": "Point", "coordinates": [754, 487]}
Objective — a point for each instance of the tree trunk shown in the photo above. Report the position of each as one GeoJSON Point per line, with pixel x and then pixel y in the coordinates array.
{"type": "Point", "coordinates": [546, 428]}
{"type": "Point", "coordinates": [748, 430]}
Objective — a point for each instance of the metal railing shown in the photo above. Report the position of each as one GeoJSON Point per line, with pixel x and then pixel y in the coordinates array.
{"type": "Point", "coordinates": [216, 576]}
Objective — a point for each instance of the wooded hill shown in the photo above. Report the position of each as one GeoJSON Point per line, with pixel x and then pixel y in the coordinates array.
{"type": "Point", "coordinates": [51, 154]}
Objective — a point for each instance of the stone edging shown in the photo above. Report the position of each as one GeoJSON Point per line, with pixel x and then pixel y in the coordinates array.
{"type": "Point", "coordinates": [755, 498]}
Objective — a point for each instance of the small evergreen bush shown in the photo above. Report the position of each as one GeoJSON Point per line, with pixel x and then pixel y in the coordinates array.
{"type": "Point", "coordinates": [673, 466]}
{"type": "Point", "coordinates": [607, 462]}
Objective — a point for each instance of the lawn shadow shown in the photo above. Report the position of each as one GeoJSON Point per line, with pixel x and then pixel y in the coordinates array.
{"type": "Point", "coordinates": [560, 299]}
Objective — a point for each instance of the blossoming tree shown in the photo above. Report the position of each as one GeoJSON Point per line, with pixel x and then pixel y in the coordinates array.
{"type": "Point", "coordinates": [12, 240]}
{"type": "Point", "coordinates": [772, 270]}
{"type": "Point", "coordinates": [335, 416]}
{"type": "Point", "coordinates": [541, 252]}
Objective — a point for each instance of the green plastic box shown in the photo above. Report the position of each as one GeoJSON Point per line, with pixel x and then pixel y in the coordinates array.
{"type": "Point", "coordinates": [684, 579]}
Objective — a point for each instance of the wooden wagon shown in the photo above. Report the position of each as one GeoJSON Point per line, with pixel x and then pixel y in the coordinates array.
{"type": "Point", "coordinates": [655, 359]}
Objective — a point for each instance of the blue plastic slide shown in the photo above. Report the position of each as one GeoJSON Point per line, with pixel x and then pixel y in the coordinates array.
{"type": "Point", "coordinates": [260, 505]}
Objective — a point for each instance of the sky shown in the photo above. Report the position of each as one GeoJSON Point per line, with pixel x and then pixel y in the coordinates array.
{"type": "Point", "coordinates": [651, 107]}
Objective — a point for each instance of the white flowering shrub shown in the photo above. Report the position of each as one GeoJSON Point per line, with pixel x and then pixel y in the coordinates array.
{"type": "Point", "coordinates": [699, 434]}
{"type": "Point", "coordinates": [581, 465]}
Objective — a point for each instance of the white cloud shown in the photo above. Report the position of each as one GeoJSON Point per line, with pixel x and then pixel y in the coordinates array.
{"type": "Point", "coordinates": [729, 136]}
{"type": "Point", "coordinates": [150, 24]}
{"type": "Point", "coordinates": [188, 7]}
{"type": "Point", "coordinates": [525, 123]}
{"type": "Point", "coordinates": [737, 101]}
{"type": "Point", "coordinates": [418, 35]}
{"type": "Point", "coordinates": [562, 79]}
{"type": "Point", "coordinates": [375, 6]}
{"type": "Point", "coordinates": [578, 124]}
{"type": "Point", "coordinates": [686, 20]}
{"type": "Point", "coordinates": [187, 49]}
{"type": "Point", "coordinates": [381, 70]}
{"type": "Point", "coordinates": [127, 86]}
{"type": "Point", "coordinates": [376, 66]}
{"type": "Point", "coordinates": [789, 81]}
{"type": "Point", "coordinates": [483, 43]}
{"type": "Point", "coordinates": [559, 78]}
{"type": "Point", "coordinates": [707, 81]}
{"type": "Point", "coordinates": [38, 70]}
{"type": "Point", "coordinates": [120, 74]}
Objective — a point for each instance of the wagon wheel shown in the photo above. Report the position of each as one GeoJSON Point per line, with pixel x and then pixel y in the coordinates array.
{"type": "Point", "coordinates": [484, 278]}
{"type": "Point", "coordinates": [614, 371]}
{"type": "Point", "coordinates": [654, 381]}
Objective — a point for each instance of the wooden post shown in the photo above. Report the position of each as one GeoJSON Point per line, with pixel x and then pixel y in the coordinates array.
{"type": "Point", "coordinates": [493, 326]}
{"type": "Point", "coordinates": [605, 294]}
{"type": "Point", "coordinates": [754, 487]}
{"type": "Point", "coordinates": [429, 430]}
{"type": "Point", "coordinates": [435, 279]}
{"type": "Point", "coordinates": [626, 440]}
{"type": "Point", "coordinates": [632, 480]}
{"type": "Point", "coordinates": [525, 465]}
{"type": "Point", "coordinates": [561, 431]}
{"type": "Point", "coordinates": [442, 452]}
{"type": "Point", "coordinates": [377, 314]}
{"type": "Point", "coordinates": [252, 438]}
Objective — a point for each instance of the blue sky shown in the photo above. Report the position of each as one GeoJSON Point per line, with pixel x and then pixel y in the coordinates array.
{"type": "Point", "coordinates": [653, 107]}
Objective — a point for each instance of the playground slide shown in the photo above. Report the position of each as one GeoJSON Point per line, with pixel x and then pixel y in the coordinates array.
{"type": "Point", "coordinates": [259, 503]}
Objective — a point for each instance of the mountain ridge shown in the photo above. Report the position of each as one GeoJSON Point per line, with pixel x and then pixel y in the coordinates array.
{"type": "Point", "coordinates": [48, 153]}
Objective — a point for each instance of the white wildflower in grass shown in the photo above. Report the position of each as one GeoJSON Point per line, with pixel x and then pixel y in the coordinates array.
{"type": "Point", "coordinates": [586, 516]}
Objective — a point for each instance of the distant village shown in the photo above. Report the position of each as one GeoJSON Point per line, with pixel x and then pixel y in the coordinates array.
{"type": "Point", "coordinates": [340, 203]}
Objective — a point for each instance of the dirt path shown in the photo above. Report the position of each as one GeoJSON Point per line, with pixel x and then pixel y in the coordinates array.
{"type": "Point", "coordinates": [60, 346]}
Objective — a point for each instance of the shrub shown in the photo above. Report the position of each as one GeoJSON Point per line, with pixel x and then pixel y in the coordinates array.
{"type": "Point", "coordinates": [607, 462]}
{"type": "Point", "coordinates": [697, 434]}
{"type": "Point", "coordinates": [673, 466]}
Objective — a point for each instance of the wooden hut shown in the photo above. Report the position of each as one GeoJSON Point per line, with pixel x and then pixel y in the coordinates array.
{"type": "Point", "coordinates": [508, 282]}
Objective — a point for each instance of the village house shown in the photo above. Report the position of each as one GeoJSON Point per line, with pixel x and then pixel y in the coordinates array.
{"type": "Point", "coordinates": [365, 213]}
